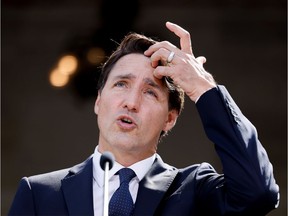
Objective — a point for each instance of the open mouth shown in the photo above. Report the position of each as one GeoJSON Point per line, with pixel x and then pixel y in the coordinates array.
{"type": "Point", "coordinates": [126, 120]}
{"type": "Point", "coordinates": [126, 123]}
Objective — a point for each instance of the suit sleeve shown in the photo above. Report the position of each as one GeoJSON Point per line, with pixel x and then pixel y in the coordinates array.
{"type": "Point", "coordinates": [23, 203]}
{"type": "Point", "coordinates": [247, 185]}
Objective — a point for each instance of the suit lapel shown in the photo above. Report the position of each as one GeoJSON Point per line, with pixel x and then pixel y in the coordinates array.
{"type": "Point", "coordinates": [77, 189]}
{"type": "Point", "coordinates": [153, 187]}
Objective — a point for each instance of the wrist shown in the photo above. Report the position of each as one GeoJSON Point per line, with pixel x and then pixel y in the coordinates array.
{"type": "Point", "coordinates": [200, 91]}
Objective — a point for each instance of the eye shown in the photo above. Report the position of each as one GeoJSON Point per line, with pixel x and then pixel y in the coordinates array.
{"type": "Point", "coordinates": [151, 92]}
{"type": "Point", "coordinates": [120, 84]}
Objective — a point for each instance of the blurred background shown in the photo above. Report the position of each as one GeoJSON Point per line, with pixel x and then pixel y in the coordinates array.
{"type": "Point", "coordinates": [51, 52]}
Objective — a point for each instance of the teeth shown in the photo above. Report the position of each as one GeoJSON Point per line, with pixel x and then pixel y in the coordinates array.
{"type": "Point", "coordinates": [127, 120]}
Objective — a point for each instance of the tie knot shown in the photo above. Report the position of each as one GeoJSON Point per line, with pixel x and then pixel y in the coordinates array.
{"type": "Point", "coordinates": [126, 174]}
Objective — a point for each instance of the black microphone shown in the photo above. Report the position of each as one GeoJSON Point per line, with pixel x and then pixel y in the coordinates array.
{"type": "Point", "coordinates": [107, 157]}
{"type": "Point", "coordinates": [106, 162]}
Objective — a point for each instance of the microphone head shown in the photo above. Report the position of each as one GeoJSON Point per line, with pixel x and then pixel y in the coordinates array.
{"type": "Point", "coordinates": [107, 157]}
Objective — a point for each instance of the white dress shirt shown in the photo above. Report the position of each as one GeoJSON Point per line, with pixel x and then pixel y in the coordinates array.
{"type": "Point", "coordinates": [140, 168]}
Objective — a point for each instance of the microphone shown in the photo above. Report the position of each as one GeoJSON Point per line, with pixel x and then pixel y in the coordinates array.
{"type": "Point", "coordinates": [107, 157]}
{"type": "Point", "coordinates": [106, 163]}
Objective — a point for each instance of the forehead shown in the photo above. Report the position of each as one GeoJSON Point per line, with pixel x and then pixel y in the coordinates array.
{"type": "Point", "coordinates": [132, 63]}
{"type": "Point", "coordinates": [137, 66]}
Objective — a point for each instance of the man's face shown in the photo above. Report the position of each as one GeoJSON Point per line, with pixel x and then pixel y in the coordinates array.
{"type": "Point", "coordinates": [132, 108]}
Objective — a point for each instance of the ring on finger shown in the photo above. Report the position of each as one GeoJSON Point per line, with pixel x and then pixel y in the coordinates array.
{"type": "Point", "coordinates": [170, 57]}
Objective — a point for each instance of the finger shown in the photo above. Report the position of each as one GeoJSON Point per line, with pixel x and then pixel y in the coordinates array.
{"type": "Point", "coordinates": [163, 44]}
{"type": "Point", "coordinates": [201, 59]}
{"type": "Point", "coordinates": [185, 40]}
{"type": "Point", "coordinates": [161, 71]}
{"type": "Point", "coordinates": [162, 56]}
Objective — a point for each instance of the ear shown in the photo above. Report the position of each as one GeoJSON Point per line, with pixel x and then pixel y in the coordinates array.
{"type": "Point", "coordinates": [171, 120]}
{"type": "Point", "coordinates": [96, 106]}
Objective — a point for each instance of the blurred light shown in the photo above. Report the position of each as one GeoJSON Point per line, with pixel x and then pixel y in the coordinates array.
{"type": "Point", "coordinates": [58, 79]}
{"type": "Point", "coordinates": [96, 55]}
{"type": "Point", "coordinates": [67, 64]}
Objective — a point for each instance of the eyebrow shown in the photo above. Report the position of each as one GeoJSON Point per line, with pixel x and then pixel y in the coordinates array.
{"type": "Point", "coordinates": [152, 83]}
{"type": "Point", "coordinates": [132, 76]}
{"type": "Point", "coordinates": [124, 76]}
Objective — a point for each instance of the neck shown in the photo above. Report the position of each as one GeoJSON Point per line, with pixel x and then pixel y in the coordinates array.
{"type": "Point", "coordinates": [127, 158]}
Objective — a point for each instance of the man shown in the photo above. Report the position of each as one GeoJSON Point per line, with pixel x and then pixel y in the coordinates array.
{"type": "Point", "coordinates": [141, 94]}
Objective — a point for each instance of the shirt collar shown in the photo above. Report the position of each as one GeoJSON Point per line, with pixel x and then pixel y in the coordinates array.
{"type": "Point", "coordinates": [140, 168]}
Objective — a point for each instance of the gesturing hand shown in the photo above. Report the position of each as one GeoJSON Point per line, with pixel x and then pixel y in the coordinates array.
{"type": "Point", "coordinates": [186, 70]}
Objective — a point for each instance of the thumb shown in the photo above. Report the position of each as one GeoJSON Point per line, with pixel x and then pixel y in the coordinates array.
{"type": "Point", "coordinates": [201, 60]}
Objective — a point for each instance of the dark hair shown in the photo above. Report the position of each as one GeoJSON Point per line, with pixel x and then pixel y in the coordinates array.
{"type": "Point", "coordinates": [138, 43]}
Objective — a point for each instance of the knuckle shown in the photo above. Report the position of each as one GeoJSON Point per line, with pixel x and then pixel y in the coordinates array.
{"type": "Point", "coordinates": [186, 34]}
{"type": "Point", "coordinates": [166, 43]}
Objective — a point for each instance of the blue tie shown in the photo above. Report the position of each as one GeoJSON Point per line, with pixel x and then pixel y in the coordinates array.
{"type": "Point", "coordinates": [121, 203]}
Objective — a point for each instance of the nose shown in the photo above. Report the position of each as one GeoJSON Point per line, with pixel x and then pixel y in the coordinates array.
{"type": "Point", "coordinates": [132, 100]}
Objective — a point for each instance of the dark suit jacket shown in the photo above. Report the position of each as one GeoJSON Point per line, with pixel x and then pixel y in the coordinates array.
{"type": "Point", "coordinates": [247, 186]}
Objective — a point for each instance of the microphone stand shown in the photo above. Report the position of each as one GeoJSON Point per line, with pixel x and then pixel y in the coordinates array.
{"type": "Point", "coordinates": [106, 189]}
{"type": "Point", "coordinates": [106, 163]}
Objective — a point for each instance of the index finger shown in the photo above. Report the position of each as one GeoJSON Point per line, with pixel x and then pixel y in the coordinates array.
{"type": "Point", "coordinates": [185, 40]}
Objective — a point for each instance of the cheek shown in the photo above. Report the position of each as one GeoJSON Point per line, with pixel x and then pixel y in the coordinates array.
{"type": "Point", "coordinates": [107, 106]}
{"type": "Point", "coordinates": [157, 119]}
{"type": "Point", "coordinates": [104, 107]}
{"type": "Point", "coordinates": [103, 117]}
{"type": "Point", "coordinates": [105, 100]}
